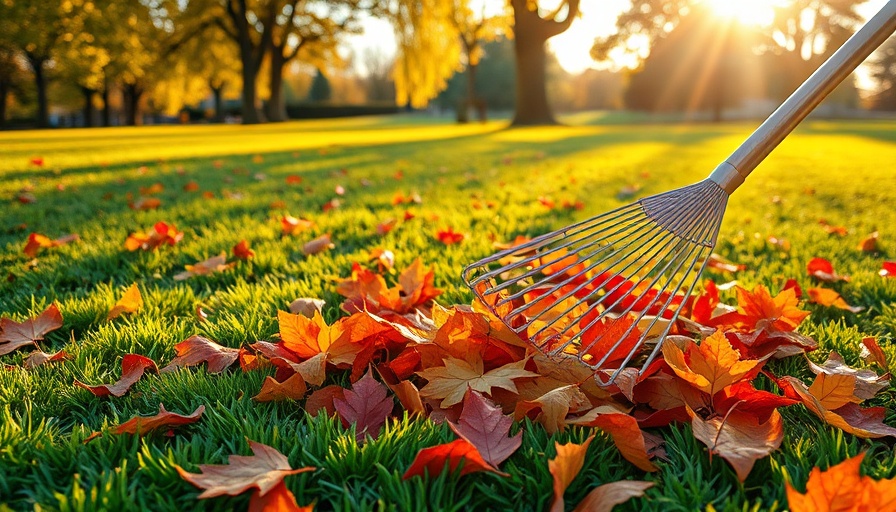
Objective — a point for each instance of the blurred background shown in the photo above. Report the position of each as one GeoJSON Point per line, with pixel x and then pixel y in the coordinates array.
{"type": "Point", "coordinates": [85, 63]}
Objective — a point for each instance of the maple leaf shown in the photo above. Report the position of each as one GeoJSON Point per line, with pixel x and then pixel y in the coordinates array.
{"type": "Point", "coordinates": [487, 428]}
{"type": "Point", "coordinates": [196, 350]}
{"type": "Point", "coordinates": [323, 399]}
{"type": "Point", "coordinates": [449, 383]}
{"type": "Point", "coordinates": [627, 436]}
{"type": "Point", "coordinates": [781, 312]}
{"type": "Point", "coordinates": [210, 266]}
{"type": "Point", "coordinates": [293, 388]}
{"type": "Point", "coordinates": [867, 382]}
{"type": "Point", "coordinates": [739, 438]}
{"type": "Point", "coordinates": [842, 488]}
{"type": "Point", "coordinates": [278, 499]}
{"type": "Point", "coordinates": [554, 406]}
{"type": "Point", "coordinates": [366, 405]}
{"type": "Point", "coordinates": [14, 335]}
{"type": "Point", "coordinates": [433, 460]}
{"type": "Point", "coordinates": [142, 425]}
{"type": "Point", "coordinates": [565, 467]}
{"type": "Point", "coordinates": [264, 471]}
{"type": "Point", "coordinates": [604, 497]}
{"type": "Point", "coordinates": [242, 251]}
{"type": "Point", "coordinates": [132, 368]}
{"type": "Point", "coordinates": [710, 366]}
{"type": "Point", "coordinates": [747, 399]}
{"type": "Point", "coordinates": [39, 358]}
{"type": "Point", "coordinates": [293, 226]}
{"type": "Point", "coordinates": [160, 234]}
{"type": "Point", "coordinates": [318, 245]}
{"type": "Point", "coordinates": [826, 297]}
{"type": "Point", "coordinates": [306, 337]}
{"type": "Point", "coordinates": [866, 423]}
{"type": "Point", "coordinates": [36, 241]}
{"type": "Point", "coordinates": [448, 236]}
{"type": "Point", "coordinates": [823, 270]}
{"type": "Point", "coordinates": [129, 303]}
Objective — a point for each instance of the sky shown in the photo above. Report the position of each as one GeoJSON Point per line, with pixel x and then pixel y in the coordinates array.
{"type": "Point", "coordinates": [573, 46]}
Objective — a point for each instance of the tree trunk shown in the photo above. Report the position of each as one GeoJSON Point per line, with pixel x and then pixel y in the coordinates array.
{"type": "Point", "coordinates": [532, 106]}
{"type": "Point", "coordinates": [89, 110]}
{"type": "Point", "coordinates": [218, 93]}
{"type": "Point", "coordinates": [250, 94]}
{"type": "Point", "coordinates": [275, 109]}
{"type": "Point", "coordinates": [107, 109]}
{"type": "Point", "coordinates": [40, 83]}
{"type": "Point", "coordinates": [132, 95]}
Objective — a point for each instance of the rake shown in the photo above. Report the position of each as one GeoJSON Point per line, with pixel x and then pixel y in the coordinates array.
{"type": "Point", "coordinates": [601, 289]}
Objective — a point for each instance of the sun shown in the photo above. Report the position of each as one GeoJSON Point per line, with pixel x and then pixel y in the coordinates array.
{"type": "Point", "coordinates": [754, 12]}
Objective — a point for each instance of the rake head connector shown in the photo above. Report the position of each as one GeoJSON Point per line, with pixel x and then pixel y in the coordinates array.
{"type": "Point", "coordinates": [602, 289]}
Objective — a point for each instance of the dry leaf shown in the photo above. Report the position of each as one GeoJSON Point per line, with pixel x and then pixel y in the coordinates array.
{"type": "Point", "coordinates": [826, 297]}
{"type": "Point", "coordinates": [132, 368]}
{"type": "Point", "coordinates": [292, 388]}
{"type": "Point", "coordinates": [306, 307]}
{"type": "Point", "coordinates": [487, 428]}
{"type": "Point", "coordinates": [210, 266]}
{"type": "Point", "coordinates": [366, 405]}
{"type": "Point", "coordinates": [196, 350]}
{"type": "Point", "coordinates": [739, 437]}
{"type": "Point", "coordinates": [432, 461]}
{"type": "Point", "coordinates": [842, 489]}
{"type": "Point", "coordinates": [604, 497]}
{"type": "Point", "coordinates": [449, 383]}
{"type": "Point", "coordinates": [142, 425]}
{"type": "Point", "coordinates": [565, 467]}
{"type": "Point", "coordinates": [129, 303]}
{"type": "Point", "coordinates": [318, 245]}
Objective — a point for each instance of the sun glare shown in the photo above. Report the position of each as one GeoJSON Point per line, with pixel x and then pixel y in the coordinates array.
{"type": "Point", "coordinates": [755, 12]}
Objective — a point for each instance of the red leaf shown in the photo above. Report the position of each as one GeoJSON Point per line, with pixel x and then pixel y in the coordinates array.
{"type": "Point", "coordinates": [14, 335]}
{"type": "Point", "coordinates": [323, 399]}
{"type": "Point", "coordinates": [627, 437]}
{"type": "Point", "coordinates": [278, 499]}
{"type": "Point", "coordinates": [242, 251]}
{"type": "Point", "coordinates": [263, 471]}
{"type": "Point", "coordinates": [888, 269]}
{"type": "Point", "coordinates": [36, 241]}
{"type": "Point", "coordinates": [39, 357]}
{"type": "Point", "coordinates": [132, 368]}
{"type": "Point", "coordinates": [196, 350]}
{"type": "Point", "coordinates": [448, 236]}
{"type": "Point", "coordinates": [871, 352]}
{"type": "Point", "coordinates": [823, 270]}
{"type": "Point", "coordinates": [366, 405]}
{"type": "Point", "coordinates": [433, 460]}
{"type": "Point", "coordinates": [142, 425]}
{"type": "Point", "coordinates": [487, 428]}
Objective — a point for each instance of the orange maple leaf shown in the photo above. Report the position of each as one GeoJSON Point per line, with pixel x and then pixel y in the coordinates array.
{"type": "Point", "coordinates": [565, 467]}
{"type": "Point", "coordinates": [130, 302]}
{"type": "Point", "coordinates": [841, 488]}
{"type": "Point", "coordinates": [710, 366]}
{"type": "Point", "coordinates": [449, 383]}
{"type": "Point", "coordinates": [781, 313]}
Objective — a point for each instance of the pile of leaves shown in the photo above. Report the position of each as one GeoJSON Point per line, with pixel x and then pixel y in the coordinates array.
{"type": "Point", "coordinates": [406, 354]}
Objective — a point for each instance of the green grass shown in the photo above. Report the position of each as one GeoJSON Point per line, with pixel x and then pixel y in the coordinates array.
{"type": "Point", "coordinates": [44, 418]}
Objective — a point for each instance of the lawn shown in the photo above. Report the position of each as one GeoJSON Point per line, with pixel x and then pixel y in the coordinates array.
{"type": "Point", "coordinates": [482, 180]}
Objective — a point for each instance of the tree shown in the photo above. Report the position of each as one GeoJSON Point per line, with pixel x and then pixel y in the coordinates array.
{"type": "Point", "coordinates": [12, 75]}
{"type": "Point", "coordinates": [883, 71]}
{"type": "Point", "coordinates": [82, 58]}
{"type": "Point", "coordinates": [532, 27]}
{"type": "Point", "coordinates": [320, 89]}
{"type": "Point", "coordinates": [378, 76]}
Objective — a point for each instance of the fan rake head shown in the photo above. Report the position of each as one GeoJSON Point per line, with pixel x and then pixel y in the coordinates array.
{"type": "Point", "coordinates": [603, 288]}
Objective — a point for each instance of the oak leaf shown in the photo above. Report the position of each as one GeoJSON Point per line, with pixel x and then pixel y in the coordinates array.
{"type": "Point", "coordinates": [293, 388]}
{"type": "Point", "coordinates": [263, 470]}
{"type": "Point", "coordinates": [604, 497]}
{"type": "Point", "coordinates": [196, 350]}
{"type": "Point", "coordinates": [433, 460]}
{"type": "Point", "coordinates": [739, 437]}
{"type": "Point", "coordinates": [841, 488]}
{"type": "Point", "coordinates": [142, 425]}
{"type": "Point", "coordinates": [129, 303]}
{"type": "Point", "coordinates": [565, 467]}
{"type": "Point", "coordinates": [450, 382]}
{"type": "Point", "coordinates": [487, 428]}
{"type": "Point", "coordinates": [132, 368]}
{"type": "Point", "coordinates": [710, 366]}
{"type": "Point", "coordinates": [366, 405]}
{"type": "Point", "coordinates": [14, 335]}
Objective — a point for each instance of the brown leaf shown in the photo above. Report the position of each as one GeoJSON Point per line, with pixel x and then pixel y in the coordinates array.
{"type": "Point", "coordinates": [565, 467]}
{"type": "Point", "coordinates": [487, 428]}
{"type": "Point", "coordinates": [869, 243]}
{"type": "Point", "coordinates": [319, 244]}
{"type": "Point", "coordinates": [142, 425]}
{"type": "Point", "coordinates": [833, 390]}
{"type": "Point", "coordinates": [604, 497]}
{"type": "Point", "coordinates": [432, 461]}
{"type": "Point", "coordinates": [210, 266]}
{"type": "Point", "coordinates": [867, 382]}
{"type": "Point", "coordinates": [450, 382]}
{"type": "Point", "coordinates": [196, 350]}
{"type": "Point", "coordinates": [739, 438]}
{"type": "Point", "coordinates": [292, 388]}
{"type": "Point", "coordinates": [366, 405]}
{"type": "Point", "coordinates": [129, 303]}
{"type": "Point", "coordinates": [14, 335]}
{"type": "Point", "coordinates": [554, 406]}
{"type": "Point", "coordinates": [627, 437]}
{"type": "Point", "coordinates": [872, 353]}
{"type": "Point", "coordinates": [866, 423]}
{"type": "Point", "coordinates": [263, 470]}
{"type": "Point", "coordinates": [39, 357]}
{"type": "Point", "coordinates": [322, 400]}
{"type": "Point", "coordinates": [409, 397]}
{"type": "Point", "coordinates": [306, 306]}
{"type": "Point", "coordinates": [132, 368]}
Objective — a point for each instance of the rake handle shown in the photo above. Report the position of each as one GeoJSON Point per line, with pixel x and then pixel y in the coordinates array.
{"type": "Point", "coordinates": [731, 173]}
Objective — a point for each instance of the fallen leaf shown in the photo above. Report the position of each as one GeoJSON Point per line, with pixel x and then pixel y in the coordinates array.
{"type": "Point", "coordinates": [717, 262]}
{"type": "Point", "coordinates": [323, 399]}
{"type": "Point", "coordinates": [823, 270]}
{"type": "Point", "coordinates": [604, 497]}
{"type": "Point", "coordinates": [14, 335]}
{"type": "Point", "coordinates": [432, 461]}
{"type": "Point", "coordinates": [306, 307]}
{"type": "Point", "coordinates": [627, 436]}
{"type": "Point", "coordinates": [869, 243]}
{"type": "Point", "coordinates": [565, 467]}
{"type": "Point", "coordinates": [385, 259]}
{"type": "Point", "coordinates": [450, 382]}
{"type": "Point", "coordinates": [867, 382]}
{"type": "Point", "coordinates": [39, 358]}
{"type": "Point", "coordinates": [142, 425]}
{"type": "Point", "coordinates": [366, 405]}
{"type": "Point", "coordinates": [318, 245]}
{"type": "Point", "coordinates": [834, 391]}
{"type": "Point", "coordinates": [872, 353]}
{"type": "Point", "coordinates": [293, 226]}
{"type": "Point", "coordinates": [263, 470]}
{"type": "Point", "coordinates": [210, 266]}
{"type": "Point", "coordinates": [487, 428]}
{"type": "Point", "coordinates": [863, 422]}
{"type": "Point", "coordinates": [132, 368]}
{"type": "Point", "coordinates": [888, 269]}
{"type": "Point", "coordinates": [191, 186]}
{"type": "Point", "coordinates": [36, 241]}
{"type": "Point", "coordinates": [242, 251]}
{"type": "Point", "coordinates": [145, 203]}
{"type": "Point", "coordinates": [160, 234]}
{"type": "Point", "coordinates": [739, 438]}
{"type": "Point", "coordinates": [386, 226]}
{"type": "Point", "coordinates": [196, 350]}
{"type": "Point", "coordinates": [832, 230]}
{"type": "Point", "coordinates": [448, 236]}
{"type": "Point", "coordinates": [293, 388]}
{"type": "Point", "coordinates": [554, 406]}
{"type": "Point", "coordinates": [710, 366]}
{"type": "Point", "coordinates": [129, 303]}
{"type": "Point", "coordinates": [278, 499]}
{"type": "Point", "coordinates": [827, 297]}
{"type": "Point", "coordinates": [842, 488]}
